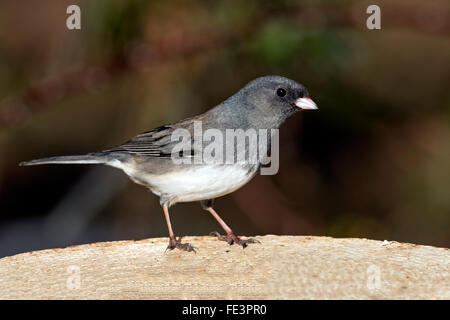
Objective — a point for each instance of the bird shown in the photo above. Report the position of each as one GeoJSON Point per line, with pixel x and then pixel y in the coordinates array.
{"type": "Point", "coordinates": [148, 159]}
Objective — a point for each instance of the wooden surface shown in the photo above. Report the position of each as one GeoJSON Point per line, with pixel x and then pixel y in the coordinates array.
{"type": "Point", "coordinates": [281, 267]}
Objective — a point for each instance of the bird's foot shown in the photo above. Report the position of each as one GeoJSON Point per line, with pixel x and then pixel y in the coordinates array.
{"type": "Point", "coordinates": [231, 238]}
{"type": "Point", "coordinates": [174, 243]}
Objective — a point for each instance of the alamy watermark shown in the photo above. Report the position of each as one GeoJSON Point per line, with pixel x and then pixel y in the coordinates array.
{"type": "Point", "coordinates": [73, 281]}
{"type": "Point", "coordinates": [374, 20]}
{"type": "Point", "coordinates": [373, 277]}
{"type": "Point", "coordinates": [229, 146]}
{"type": "Point", "coordinates": [73, 21]}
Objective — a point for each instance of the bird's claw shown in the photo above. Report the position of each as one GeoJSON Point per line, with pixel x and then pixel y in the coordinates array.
{"type": "Point", "coordinates": [221, 237]}
{"type": "Point", "coordinates": [231, 238]}
{"type": "Point", "coordinates": [173, 243]}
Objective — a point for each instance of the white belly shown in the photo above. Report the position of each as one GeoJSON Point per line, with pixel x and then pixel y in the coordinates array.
{"type": "Point", "coordinates": [194, 184]}
{"type": "Point", "coordinates": [199, 183]}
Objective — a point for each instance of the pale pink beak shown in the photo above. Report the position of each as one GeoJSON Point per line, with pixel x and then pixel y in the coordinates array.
{"type": "Point", "coordinates": [305, 103]}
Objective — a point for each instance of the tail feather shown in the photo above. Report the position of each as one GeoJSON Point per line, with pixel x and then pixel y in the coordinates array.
{"type": "Point", "coordinates": [91, 158]}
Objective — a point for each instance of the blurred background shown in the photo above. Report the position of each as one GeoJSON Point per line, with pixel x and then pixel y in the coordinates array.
{"type": "Point", "coordinates": [373, 162]}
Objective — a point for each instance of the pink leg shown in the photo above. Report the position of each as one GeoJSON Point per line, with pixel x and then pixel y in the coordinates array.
{"type": "Point", "coordinates": [230, 237]}
{"type": "Point", "coordinates": [169, 225]}
{"type": "Point", "coordinates": [173, 242]}
{"type": "Point", "coordinates": [219, 219]}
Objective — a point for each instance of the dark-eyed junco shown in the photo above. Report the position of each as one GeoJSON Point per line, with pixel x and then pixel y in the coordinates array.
{"type": "Point", "coordinates": [168, 160]}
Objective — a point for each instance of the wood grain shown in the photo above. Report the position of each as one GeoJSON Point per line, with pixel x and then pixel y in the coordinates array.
{"type": "Point", "coordinates": [281, 267]}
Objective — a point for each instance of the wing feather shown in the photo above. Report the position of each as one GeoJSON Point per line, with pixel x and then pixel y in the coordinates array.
{"type": "Point", "coordinates": [154, 143]}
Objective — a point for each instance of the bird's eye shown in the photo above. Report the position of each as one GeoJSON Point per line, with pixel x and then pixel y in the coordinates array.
{"type": "Point", "coordinates": [301, 95]}
{"type": "Point", "coordinates": [281, 92]}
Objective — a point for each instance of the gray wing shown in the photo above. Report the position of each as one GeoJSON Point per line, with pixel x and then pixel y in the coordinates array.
{"type": "Point", "coordinates": [155, 143]}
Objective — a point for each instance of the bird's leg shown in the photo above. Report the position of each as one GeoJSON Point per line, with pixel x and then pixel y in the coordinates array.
{"type": "Point", "coordinates": [230, 238]}
{"type": "Point", "coordinates": [173, 242]}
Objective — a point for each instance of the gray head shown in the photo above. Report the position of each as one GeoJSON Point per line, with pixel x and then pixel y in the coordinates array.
{"type": "Point", "coordinates": [268, 101]}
